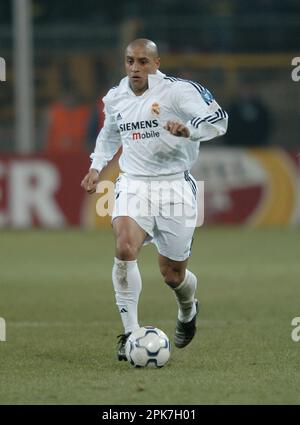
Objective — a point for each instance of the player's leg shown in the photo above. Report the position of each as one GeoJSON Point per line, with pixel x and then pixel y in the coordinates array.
{"type": "Point", "coordinates": [173, 237]}
{"type": "Point", "coordinates": [125, 274]}
{"type": "Point", "coordinates": [184, 284]}
{"type": "Point", "coordinates": [129, 237]}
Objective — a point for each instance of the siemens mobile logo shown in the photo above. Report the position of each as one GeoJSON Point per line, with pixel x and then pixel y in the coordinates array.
{"type": "Point", "coordinates": [141, 125]}
{"type": "Point", "coordinates": [146, 135]}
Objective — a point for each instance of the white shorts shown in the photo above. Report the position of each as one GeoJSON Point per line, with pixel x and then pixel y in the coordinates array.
{"type": "Point", "coordinates": [166, 208]}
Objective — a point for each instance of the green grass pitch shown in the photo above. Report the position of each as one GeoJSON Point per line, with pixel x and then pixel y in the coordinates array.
{"type": "Point", "coordinates": [57, 299]}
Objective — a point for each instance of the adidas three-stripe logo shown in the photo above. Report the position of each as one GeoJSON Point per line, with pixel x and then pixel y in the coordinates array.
{"type": "Point", "coordinates": [191, 182]}
{"type": "Point", "coordinates": [123, 310]}
{"type": "Point", "coordinates": [219, 115]}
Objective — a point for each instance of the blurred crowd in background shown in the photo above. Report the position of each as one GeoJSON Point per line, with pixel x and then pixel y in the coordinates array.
{"type": "Point", "coordinates": [240, 50]}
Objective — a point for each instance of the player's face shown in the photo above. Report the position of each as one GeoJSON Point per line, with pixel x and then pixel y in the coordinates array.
{"type": "Point", "coordinates": [139, 62]}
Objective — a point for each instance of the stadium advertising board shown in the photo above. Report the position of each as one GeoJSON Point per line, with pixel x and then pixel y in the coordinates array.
{"type": "Point", "coordinates": [41, 191]}
{"type": "Point", "coordinates": [250, 186]}
{"type": "Point", "coordinates": [255, 187]}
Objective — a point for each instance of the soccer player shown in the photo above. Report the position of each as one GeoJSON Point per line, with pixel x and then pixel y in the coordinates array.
{"type": "Point", "coordinates": [159, 121]}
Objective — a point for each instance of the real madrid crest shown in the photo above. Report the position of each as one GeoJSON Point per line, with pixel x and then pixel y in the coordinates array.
{"type": "Point", "coordinates": [155, 108]}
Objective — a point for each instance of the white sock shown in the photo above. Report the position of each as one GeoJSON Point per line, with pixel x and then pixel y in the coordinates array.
{"type": "Point", "coordinates": [185, 297]}
{"type": "Point", "coordinates": [128, 285]}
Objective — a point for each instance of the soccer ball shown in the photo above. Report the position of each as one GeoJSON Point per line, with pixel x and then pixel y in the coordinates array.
{"type": "Point", "coordinates": [147, 347]}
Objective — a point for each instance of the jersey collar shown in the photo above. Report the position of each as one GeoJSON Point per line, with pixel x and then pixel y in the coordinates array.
{"type": "Point", "coordinates": [153, 80]}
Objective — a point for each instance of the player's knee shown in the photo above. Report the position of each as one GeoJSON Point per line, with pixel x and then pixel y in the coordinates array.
{"type": "Point", "coordinates": [172, 277]}
{"type": "Point", "coordinates": [126, 251]}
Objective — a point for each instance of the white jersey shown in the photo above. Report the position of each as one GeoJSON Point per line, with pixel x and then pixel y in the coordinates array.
{"type": "Point", "coordinates": [137, 124]}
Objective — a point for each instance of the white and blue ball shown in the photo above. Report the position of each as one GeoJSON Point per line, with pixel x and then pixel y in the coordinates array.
{"type": "Point", "coordinates": [148, 347]}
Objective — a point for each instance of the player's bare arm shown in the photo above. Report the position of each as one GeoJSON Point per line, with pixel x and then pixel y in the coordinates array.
{"type": "Point", "coordinates": [177, 129]}
{"type": "Point", "coordinates": [90, 181]}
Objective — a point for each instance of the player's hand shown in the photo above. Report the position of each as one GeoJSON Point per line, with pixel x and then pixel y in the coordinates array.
{"type": "Point", "coordinates": [90, 181]}
{"type": "Point", "coordinates": [177, 129]}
